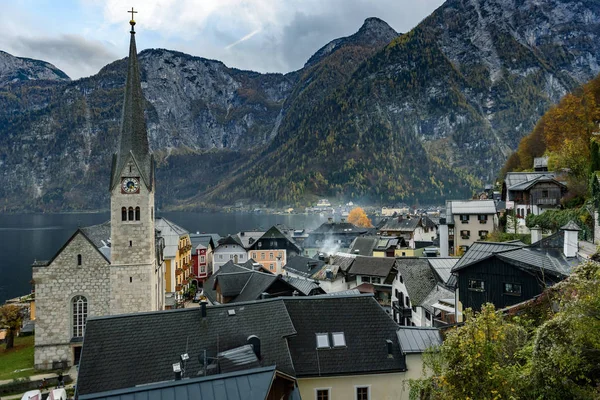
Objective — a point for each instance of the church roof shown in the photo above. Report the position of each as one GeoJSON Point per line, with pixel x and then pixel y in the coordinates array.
{"type": "Point", "coordinates": [133, 140]}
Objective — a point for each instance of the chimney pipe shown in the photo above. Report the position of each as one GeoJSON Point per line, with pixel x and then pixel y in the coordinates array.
{"type": "Point", "coordinates": [343, 220]}
{"type": "Point", "coordinates": [254, 341]}
{"type": "Point", "coordinates": [203, 308]}
{"type": "Point", "coordinates": [330, 220]}
{"type": "Point", "coordinates": [536, 234]}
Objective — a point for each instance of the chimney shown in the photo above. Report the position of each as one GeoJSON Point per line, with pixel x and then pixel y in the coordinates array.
{"type": "Point", "coordinates": [254, 341]}
{"type": "Point", "coordinates": [329, 274]}
{"type": "Point", "coordinates": [321, 256]}
{"type": "Point", "coordinates": [203, 308]}
{"type": "Point", "coordinates": [343, 220]}
{"type": "Point", "coordinates": [570, 245]}
{"type": "Point", "coordinates": [330, 220]}
{"type": "Point", "coordinates": [536, 234]}
{"type": "Point", "coordinates": [390, 348]}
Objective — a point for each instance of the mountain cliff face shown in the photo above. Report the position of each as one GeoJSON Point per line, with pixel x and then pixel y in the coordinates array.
{"type": "Point", "coordinates": [435, 112]}
{"type": "Point", "coordinates": [426, 115]}
{"type": "Point", "coordinates": [18, 69]}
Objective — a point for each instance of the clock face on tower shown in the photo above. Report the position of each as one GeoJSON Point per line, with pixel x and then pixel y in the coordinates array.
{"type": "Point", "coordinates": [130, 185]}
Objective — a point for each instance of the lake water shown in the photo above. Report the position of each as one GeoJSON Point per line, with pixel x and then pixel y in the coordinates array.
{"type": "Point", "coordinates": [28, 237]}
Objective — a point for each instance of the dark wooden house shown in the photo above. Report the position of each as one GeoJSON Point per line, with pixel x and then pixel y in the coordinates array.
{"type": "Point", "coordinates": [509, 273]}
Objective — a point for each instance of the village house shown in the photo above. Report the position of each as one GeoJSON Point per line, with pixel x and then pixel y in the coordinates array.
{"type": "Point", "coordinates": [375, 275]}
{"type": "Point", "coordinates": [320, 344]}
{"type": "Point", "coordinates": [330, 273]}
{"type": "Point", "coordinates": [466, 222]}
{"type": "Point", "coordinates": [111, 268]}
{"type": "Point", "coordinates": [178, 256]}
{"type": "Point", "coordinates": [238, 283]}
{"type": "Point", "coordinates": [411, 227]}
{"type": "Point", "coordinates": [530, 193]}
{"type": "Point", "coordinates": [508, 273]}
{"type": "Point", "coordinates": [331, 237]}
{"type": "Point", "coordinates": [229, 248]}
{"type": "Point", "coordinates": [419, 287]}
{"type": "Point", "coordinates": [203, 245]}
{"type": "Point", "coordinates": [273, 250]}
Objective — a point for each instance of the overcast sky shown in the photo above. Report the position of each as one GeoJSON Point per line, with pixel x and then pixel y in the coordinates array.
{"type": "Point", "coordinates": [81, 36]}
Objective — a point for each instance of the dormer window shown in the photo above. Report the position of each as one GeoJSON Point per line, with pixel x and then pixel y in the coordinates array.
{"type": "Point", "coordinates": [322, 341]}
{"type": "Point", "coordinates": [339, 340]}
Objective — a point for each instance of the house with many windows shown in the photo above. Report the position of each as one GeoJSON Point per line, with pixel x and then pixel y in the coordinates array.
{"type": "Point", "coordinates": [420, 290]}
{"type": "Point", "coordinates": [229, 248]}
{"type": "Point", "coordinates": [178, 257]}
{"type": "Point", "coordinates": [326, 347]}
{"type": "Point", "coordinates": [531, 193]}
{"type": "Point", "coordinates": [466, 222]}
{"type": "Point", "coordinates": [411, 227]}
{"type": "Point", "coordinates": [203, 245]}
{"type": "Point", "coordinates": [273, 250]}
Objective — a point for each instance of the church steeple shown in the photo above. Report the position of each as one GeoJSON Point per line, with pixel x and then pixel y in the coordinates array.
{"type": "Point", "coordinates": [134, 138]}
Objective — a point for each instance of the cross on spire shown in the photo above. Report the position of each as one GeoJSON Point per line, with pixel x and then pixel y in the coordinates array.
{"type": "Point", "coordinates": [132, 22]}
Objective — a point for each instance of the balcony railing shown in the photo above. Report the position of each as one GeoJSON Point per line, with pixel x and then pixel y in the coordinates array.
{"type": "Point", "coordinates": [546, 201]}
{"type": "Point", "coordinates": [405, 312]}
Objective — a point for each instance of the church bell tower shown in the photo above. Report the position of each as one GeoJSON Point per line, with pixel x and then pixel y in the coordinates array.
{"type": "Point", "coordinates": [134, 275]}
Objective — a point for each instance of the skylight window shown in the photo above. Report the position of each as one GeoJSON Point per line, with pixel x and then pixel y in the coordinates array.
{"type": "Point", "coordinates": [322, 341]}
{"type": "Point", "coordinates": [339, 340]}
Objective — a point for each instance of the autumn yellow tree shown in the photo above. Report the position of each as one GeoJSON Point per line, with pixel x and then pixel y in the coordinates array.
{"type": "Point", "coordinates": [10, 318]}
{"type": "Point", "coordinates": [358, 217]}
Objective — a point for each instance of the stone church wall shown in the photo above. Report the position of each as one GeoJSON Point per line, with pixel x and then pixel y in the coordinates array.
{"type": "Point", "coordinates": [55, 286]}
{"type": "Point", "coordinates": [134, 289]}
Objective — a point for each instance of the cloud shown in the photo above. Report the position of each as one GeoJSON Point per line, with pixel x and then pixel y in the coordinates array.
{"type": "Point", "coordinates": [283, 34]}
{"type": "Point", "coordinates": [73, 54]}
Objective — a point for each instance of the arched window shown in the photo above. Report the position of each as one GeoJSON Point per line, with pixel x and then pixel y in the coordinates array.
{"type": "Point", "coordinates": [123, 214]}
{"type": "Point", "coordinates": [80, 312]}
{"type": "Point", "coordinates": [130, 214]}
{"type": "Point", "coordinates": [78, 259]}
{"type": "Point", "coordinates": [137, 213]}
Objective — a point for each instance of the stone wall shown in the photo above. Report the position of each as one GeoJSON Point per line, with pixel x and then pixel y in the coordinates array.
{"type": "Point", "coordinates": [55, 286]}
{"type": "Point", "coordinates": [134, 289]}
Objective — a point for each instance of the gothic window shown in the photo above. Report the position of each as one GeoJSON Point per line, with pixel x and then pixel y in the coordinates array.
{"type": "Point", "coordinates": [78, 259]}
{"type": "Point", "coordinates": [130, 216]}
{"type": "Point", "coordinates": [137, 213]}
{"type": "Point", "coordinates": [123, 214]}
{"type": "Point", "coordinates": [80, 312]}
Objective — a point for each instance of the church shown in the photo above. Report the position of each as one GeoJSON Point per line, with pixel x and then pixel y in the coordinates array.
{"type": "Point", "coordinates": [111, 268]}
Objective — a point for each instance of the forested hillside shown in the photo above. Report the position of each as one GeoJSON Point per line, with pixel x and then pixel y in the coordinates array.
{"type": "Point", "coordinates": [564, 134]}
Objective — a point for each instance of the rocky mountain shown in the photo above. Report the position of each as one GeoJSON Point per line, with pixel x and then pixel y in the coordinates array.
{"type": "Point", "coordinates": [426, 115]}
{"type": "Point", "coordinates": [18, 69]}
{"type": "Point", "coordinates": [435, 113]}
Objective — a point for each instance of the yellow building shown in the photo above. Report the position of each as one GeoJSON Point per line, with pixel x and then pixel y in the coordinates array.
{"type": "Point", "coordinates": [177, 257]}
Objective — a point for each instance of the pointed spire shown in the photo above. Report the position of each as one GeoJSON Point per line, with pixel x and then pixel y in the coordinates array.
{"type": "Point", "coordinates": [134, 138]}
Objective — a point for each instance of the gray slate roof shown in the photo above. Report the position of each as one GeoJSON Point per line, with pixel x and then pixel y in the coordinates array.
{"type": "Point", "coordinates": [438, 293]}
{"type": "Point", "coordinates": [133, 140]}
{"type": "Point", "coordinates": [98, 233]}
{"type": "Point", "coordinates": [303, 266]}
{"type": "Point", "coordinates": [418, 277]}
{"type": "Point", "coordinates": [366, 327]}
{"type": "Point", "coordinates": [470, 207]}
{"type": "Point", "coordinates": [251, 384]}
{"type": "Point", "coordinates": [204, 239]}
{"type": "Point", "coordinates": [344, 260]}
{"type": "Point", "coordinates": [401, 224]}
{"type": "Point", "coordinates": [364, 245]}
{"type": "Point", "coordinates": [372, 266]}
{"type": "Point", "coordinates": [513, 179]}
{"type": "Point", "coordinates": [304, 286]}
{"type": "Point", "coordinates": [414, 339]}
{"type": "Point", "coordinates": [443, 267]}
{"type": "Point", "coordinates": [238, 359]}
{"type": "Point", "coordinates": [128, 350]}
{"type": "Point", "coordinates": [552, 260]}
{"type": "Point", "coordinates": [480, 250]}
{"type": "Point", "coordinates": [338, 227]}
